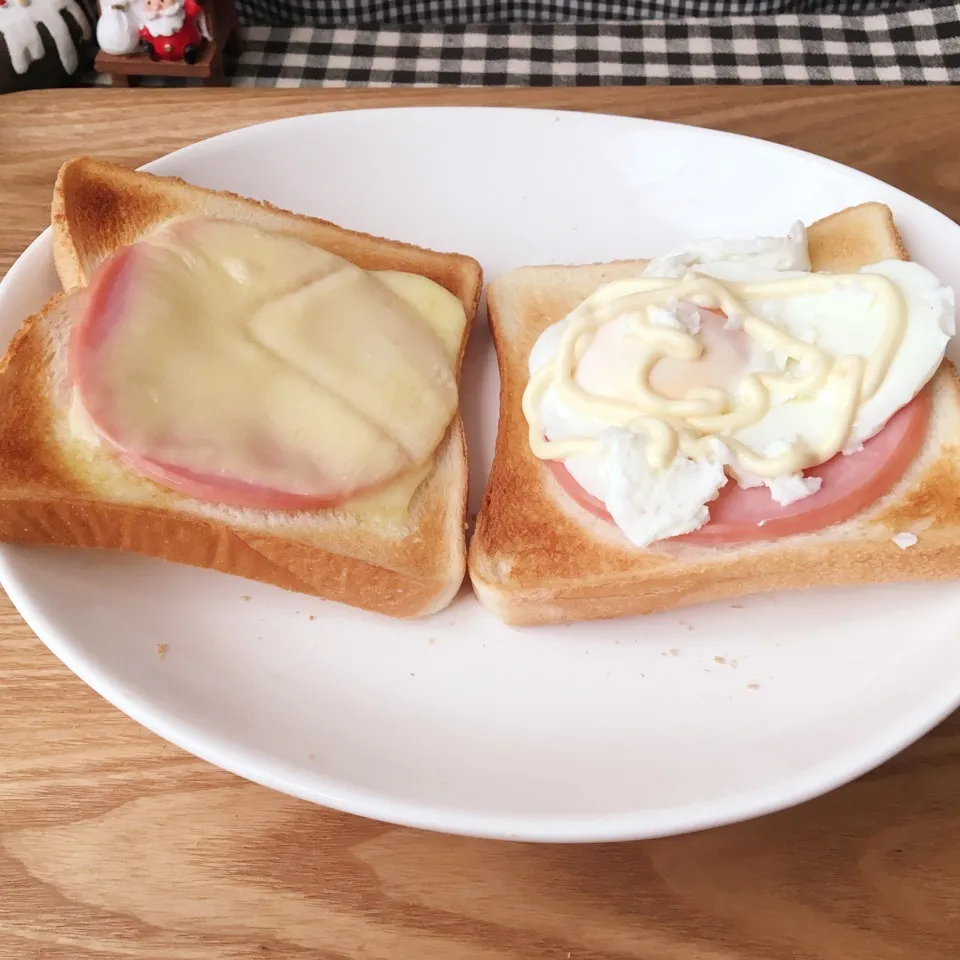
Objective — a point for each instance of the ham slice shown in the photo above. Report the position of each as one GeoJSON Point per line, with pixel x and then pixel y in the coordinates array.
{"type": "Point", "coordinates": [851, 483]}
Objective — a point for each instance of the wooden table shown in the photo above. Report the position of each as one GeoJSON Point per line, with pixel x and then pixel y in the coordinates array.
{"type": "Point", "coordinates": [116, 844]}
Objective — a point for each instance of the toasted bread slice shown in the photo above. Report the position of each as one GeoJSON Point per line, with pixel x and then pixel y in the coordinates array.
{"type": "Point", "coordinates": [401, 552]}
{"type": "Point", "coordinates": [537, 557]}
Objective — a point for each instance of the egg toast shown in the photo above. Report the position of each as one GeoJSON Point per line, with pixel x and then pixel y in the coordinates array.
{"type": "Point", "coordinates": [399, 552]}
{"type": "Point", "coordinates": [538, 557]}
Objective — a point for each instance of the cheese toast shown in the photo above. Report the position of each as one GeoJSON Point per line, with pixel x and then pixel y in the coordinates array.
{"type": "Point", "coordinates": [399, 552]}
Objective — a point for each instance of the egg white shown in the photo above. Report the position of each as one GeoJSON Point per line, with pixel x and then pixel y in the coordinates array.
{"type": "Point", "coordinates": [847, 320]}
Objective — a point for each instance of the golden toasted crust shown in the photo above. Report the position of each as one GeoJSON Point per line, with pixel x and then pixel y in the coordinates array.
{"type": "Point", "coordinates": [852, 238]}
{"type": "Point", "coordinates": [536, 557]}
{"type": "Point", "coordinates": [404, 571]}
{"type": "Point", "coordinates": [98, 207]}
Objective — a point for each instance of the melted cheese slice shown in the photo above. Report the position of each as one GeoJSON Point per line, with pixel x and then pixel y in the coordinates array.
{"type": "Point", "coordinates": [444, 316]}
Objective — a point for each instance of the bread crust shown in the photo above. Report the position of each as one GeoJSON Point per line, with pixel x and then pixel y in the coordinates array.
{"type": "Point", "coordinates": [407, 571]}
{"type": "Point", "coordinates": [538, 558]}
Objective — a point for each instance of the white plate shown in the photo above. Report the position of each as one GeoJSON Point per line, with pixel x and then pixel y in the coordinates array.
{"type": "Point", "coordinates": [458, 723]}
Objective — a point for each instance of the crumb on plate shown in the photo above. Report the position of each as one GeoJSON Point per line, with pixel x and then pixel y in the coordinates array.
{"type": "Point", "coordinates": [904, 540]}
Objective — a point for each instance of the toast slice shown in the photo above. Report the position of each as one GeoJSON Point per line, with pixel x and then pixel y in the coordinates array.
{"type": "Point", "coordinates": [401, 552]}
{"type": "Point", "coordinates": [537, 557]}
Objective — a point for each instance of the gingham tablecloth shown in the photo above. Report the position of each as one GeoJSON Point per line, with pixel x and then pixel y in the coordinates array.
{"type": "Point", "coordinates": [330, 13]}
{"type": "Point", "coordinates": [913, 46]}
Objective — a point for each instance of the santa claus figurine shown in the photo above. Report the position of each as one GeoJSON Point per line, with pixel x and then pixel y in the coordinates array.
{"type": "Point", "coordinates": [173, 29]}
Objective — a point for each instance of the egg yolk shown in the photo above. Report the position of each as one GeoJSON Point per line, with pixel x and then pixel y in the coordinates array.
{"type": "Point", "coordinates": [608, 368]}
{"type": "Point", "coordinates": [721, 364]}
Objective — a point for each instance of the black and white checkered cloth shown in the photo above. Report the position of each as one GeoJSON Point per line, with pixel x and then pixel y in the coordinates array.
{"type": "Point", "coordinates": [909, 46]}
{"type": "Point", "coordinates": [333, 13]}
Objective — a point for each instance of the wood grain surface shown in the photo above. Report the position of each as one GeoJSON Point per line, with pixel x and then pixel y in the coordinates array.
{"type": "Point", "coordinates": [116, 844]}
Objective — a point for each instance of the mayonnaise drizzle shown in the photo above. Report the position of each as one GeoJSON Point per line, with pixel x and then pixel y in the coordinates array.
{"type": "Point", "coordinates": [694, 424]}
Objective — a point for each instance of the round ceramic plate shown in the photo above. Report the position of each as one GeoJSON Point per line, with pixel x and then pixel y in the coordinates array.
{"type": "Point", "coordinates": [611, 730]}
